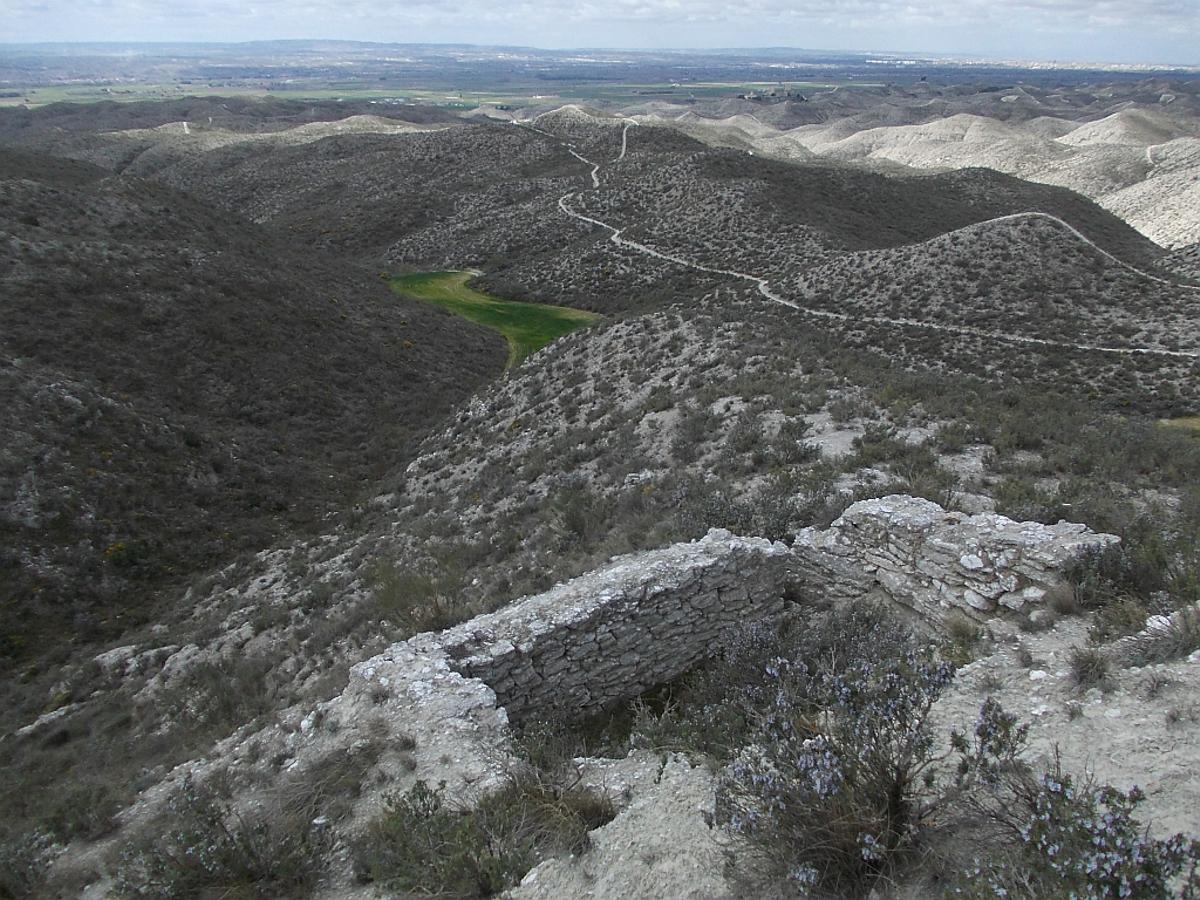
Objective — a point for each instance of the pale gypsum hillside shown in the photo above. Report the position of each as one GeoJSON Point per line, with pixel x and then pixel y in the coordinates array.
{"type": "Point", "coordinates": [1132, 152]}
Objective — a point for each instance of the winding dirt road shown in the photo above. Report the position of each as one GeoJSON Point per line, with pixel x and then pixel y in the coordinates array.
{"type": "Point", "coordinates": [624, 140]}
{"type": "Point", "coordinates": [764, 287]}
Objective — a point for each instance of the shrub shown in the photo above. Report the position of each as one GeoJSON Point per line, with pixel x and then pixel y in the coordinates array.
{"type": "Point", "coordinates": [746, 434]}
{"type": "Point", "coordinates": [1061, 600]}
{"type": "Point", "coordinates": [1157, 559]}
{"type": "Point", "coordinates": [1102, 575]}
{"type": "Point", "coordinates": [1063, 840]}
{"type": "Point", "coordinates": [844, 409]}
{"type": "Point", "coordinates": [331, 785]}
{"type": "Point", "coordinates": [24, 859]}
{"type": "Point", "coordinates": [705, 505]}
{"type": "Point", "coordinates": [877, 444]}
{"type": "Point", "coordinates": [713, 709]}
{"type": "Point", "coordinates": [584, 516]}
{"type": "Point", "coordinates": [206, 848]}
{"type": "Point", "coordinates": [417, 601]}
{"type": "Point", "coordinates": [696, 426]}
{"type": "Point", "coordinates": [1089, 668]}
{"type": "Point", "coordinates": [790, 448]}
{"type": "Point", "coordinates": [551, 744]}
{"type": "Point", "coordinates": [836, 785]}
{"type": "Point", "coordinates": [423, 845]}
{"type": "Point", "coordinates": [962, 636]}
{"type": "Point", "coordinates": [214, 697]}
{"type": "Point", "coordinates": [1120, 617]}
{"type": "Point", "coordinates": [828, 796]}
{"type": "Point", "coordinates": [1178, 637]}
{"type": "Point", "coordinates": [953, 437]}
{"type": "Point", "coordinates": [1020, 498]}
{"type": "Point", "coordinates": [85, 809]}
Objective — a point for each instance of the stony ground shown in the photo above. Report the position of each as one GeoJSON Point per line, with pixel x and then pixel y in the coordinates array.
{"type": "Point", "coordinates": [1138, 730]}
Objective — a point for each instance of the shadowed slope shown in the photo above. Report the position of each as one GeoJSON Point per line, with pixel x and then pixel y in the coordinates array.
{"type": "Point", "coordinates": [178, 386]}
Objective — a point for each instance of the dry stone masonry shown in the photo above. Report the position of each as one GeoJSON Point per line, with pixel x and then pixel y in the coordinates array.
{"type": "Point", "coordinates": [648, 617]}
{"type": "Point", "coordinates": [933, 561]}
{"type": "Point", "coordinates": [613, 633]}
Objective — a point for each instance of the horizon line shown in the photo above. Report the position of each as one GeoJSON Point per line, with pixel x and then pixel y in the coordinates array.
{"type": "Point", "coordinates": [940, 56]}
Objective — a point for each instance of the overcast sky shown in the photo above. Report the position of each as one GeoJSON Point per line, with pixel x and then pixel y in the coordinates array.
{"type": "Point", "coordinates": [1153, 31]}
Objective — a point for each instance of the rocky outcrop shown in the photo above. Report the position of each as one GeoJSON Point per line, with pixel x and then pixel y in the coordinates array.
{"type": "Point", "coordinates": [613, 633]}
{"type": "Point", "coordinates": [661, 844]}
{"type": "Point", "coordinates": [934, 561]}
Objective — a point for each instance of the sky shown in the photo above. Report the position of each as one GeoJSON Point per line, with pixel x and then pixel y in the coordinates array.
{"type": "Point", "coordinates": [1118, 31]}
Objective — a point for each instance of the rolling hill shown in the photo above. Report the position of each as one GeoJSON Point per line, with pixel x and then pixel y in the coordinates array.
{"type": "Point", "coordinates": [179, 386]}
{"type": "Point", "coordinates": [1139, 162]}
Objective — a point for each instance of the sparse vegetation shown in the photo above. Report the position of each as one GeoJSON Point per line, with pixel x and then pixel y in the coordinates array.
{"type": "Point", "coordinates": [1054, 836]}
{"type": "Point", "coordinates": [1176, 637]}
{"type": "Point", "coordinates": [416, 600]}
{"type": "Point", "coordinates": [695, 405]}
{"type": "Point", "coordinates": [832, 806]}
{"type": "Point", "coordinates": [206, 846]}
{"type": "Point", "coordinates": [423, 844]}
{"type": "Point", "coordinates": [833, 786]}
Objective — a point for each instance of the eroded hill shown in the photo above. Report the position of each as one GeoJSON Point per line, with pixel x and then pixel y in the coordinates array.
{"type": "Point", "coordinates": [180, 387]}
{"type": "Point", "coordinates": [1131, 148]}
{"type": "Point", "coordinates": [199, 352]}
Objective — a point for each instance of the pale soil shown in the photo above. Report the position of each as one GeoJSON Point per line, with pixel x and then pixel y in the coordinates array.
{"type": "Point", "coordinates": [661, 846]}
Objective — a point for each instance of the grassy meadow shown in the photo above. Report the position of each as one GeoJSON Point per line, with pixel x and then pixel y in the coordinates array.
{"type": "Point", "coordinates": [526, 326]}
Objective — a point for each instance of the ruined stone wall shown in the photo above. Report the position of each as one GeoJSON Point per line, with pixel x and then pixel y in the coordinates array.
{"type": "Point", "coordinates": [614, 633]}
{"type": "Point", "coordinates": [648, 617]}
{"type": "Point", "coordinates": [640, 621]}
{"type": "Point", "coordinates": [934, 561]}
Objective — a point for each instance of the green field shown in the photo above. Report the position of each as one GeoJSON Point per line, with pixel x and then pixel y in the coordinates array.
{"type": "Point", "coordinates": [1191, 423]}
{"type": "Point", "coordinates": [526, 326]}
{"type": "Point", "coordinates": [449, 94]}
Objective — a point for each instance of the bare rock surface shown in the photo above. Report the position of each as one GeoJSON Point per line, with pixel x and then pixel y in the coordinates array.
{"type": "Point", "coordinates": [614, 633]}
{"type": "Point", "coordinates": [437, 706]}
{"type": "Point", "coordinates": [661, 844]}
{"type": "Point", "coordinates": [1137, 728]}
{"type": "Point", "coordinates": [442, 696]}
